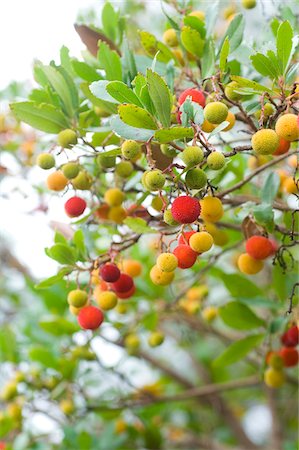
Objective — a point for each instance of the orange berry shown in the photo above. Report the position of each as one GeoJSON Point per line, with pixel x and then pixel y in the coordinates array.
{"type": "Point", "coordinates": [249, 265]}
{"type": "Point", "coordinates": [56, 181]}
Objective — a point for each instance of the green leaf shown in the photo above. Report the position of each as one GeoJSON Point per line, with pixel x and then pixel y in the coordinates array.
{"type": "Point", "coordinates": [110, 62]}
{"type": "Point", "coordinates": [42, 117]}
{"type": "Point", "coordinates": [196, 24]}
{"type": "Point", "coordinates": [208, 59]}
{"type": "Point", "coordinates": [122, 93]}
{"type": "Point", "coordinates": [264, 215]}
{"type": "Point", "coordinates": [224, 52]}
{"type": "Point", "coordinates": [219, 128]}
{"type": "Point", "coordinates": [127, 132]}
{"type": "Point", "coordinates": [239, 316]}
{"type": "Point", "coordinates": [244, 82]}
{"type": "Point", "coordinates": [99, 90]}
{"type": "Point", "coordinates": [43, 356]}
{"type": "Point", "coordinates": [59, 326]}
{"type": "Point", "coordinates": [45, 284]}
{"type": "Point", "coordinates": [236, 283]}
{"type": "Point", "coordinates": [192, 41]}
{"type": "Point", "coordinates": [129, 63]}
{"type": "Point", "coordinates": [284, 44]}
{"type": "Point", "coordinates": [65, 60]}
{"type": "Point", "coordinates": [142, 92]}
{"type": "Point", "coordinates": [78, 240]}
{"type": "Point", "coordinates": [274, 26]}
{"type": "Point", "coordinates": [109, 107]}
{"type": "Point", "coordinates": [85, 71]}
{"type": "Point", "coordinates": [109, 21]}
{"type": "Point", "coordinates": [8, 344]}
{"type": "Point", "coordinates": [172, 134]}
{"type": "Point", "coordinates": [62, 253]}
{"type": "Point", "coordinates": [71, 86]}
{"type": "Point", "coordinates": [236, 351]}
{"type": "Point", "coordinates": [136, 117]}
{"type": "Point", "coordinates": [60, 86]}
{"type": "Point", "coordinates": [153, 47]}
{"type": "Point", "coordinates": [138, 225]}
{"type": "Point", "coordinates": [235, 32]}
{"type": "Point", "coordinates": [160, 96]}
{"type": "Point", "coordinates": [263, 65]}
{"type": "Point", "coordinates": [270, 188]}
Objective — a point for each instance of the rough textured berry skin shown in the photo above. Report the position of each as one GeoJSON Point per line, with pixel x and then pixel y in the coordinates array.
{"type": "Point", "coordinates": [196, 178]}
{"type": "Point", "coordinates": [106, 300]}
{"type": "Point", "coordinates": [231, 119]}
{"type": "Point", "coordinates": [185, 209]}
{"type": "Point", "coordinates": [127, 294]}
{"type": "Point", "coordinates": [283, 147]}
{"type": "Point", "coordinates": [167, 262]}
{"type": "Point", "coordinates": [169, 219]}
{"type": "Point", "coordinates": [67, 138]}
{"type": "Point", "coordinates": [156, 338]}
{"type": "Point", "coordinates": [211, 209]}
{"type": "Point", "coordinates": [159, 277]}
{"type": "Point", "coordinates": [207, 127]}
{"type": "Point", "coordinates": [155, 180]}
{"type": "Point", "coordinates": [216, 161]}
{"type": "Point", "coordinates": [291, 337]}
{"type": "Point", "coordinates": [45, 161]}
{"type": "Point", "coordinates": [273, 378]}
{"type": "Point", "coordinates": [192, 156]}
{"type": "Point", "coordinates": [82, 181]}
{"type": "Point", "coordinates": [289, 356]}
{"type": "Point", "coordinates": [170, 38]}
{"type": "Point", "coordinates": [196, 96]}
{"type": "Point", "coordinates": [124, 169]}
{"type": "Point", "coordinates": [114, 197]}
{"type": "Point", "coordinates": [215, 112]}
{"type": "Point", "coordinates": [56, 181]}
{"type": "Point", "coordinates": [132, 267]}
{"type": "Point", "coordinates": [106, 161]}
{"type": "Point", "coordinates": [201, 242]}
{"type": "Point", "coordinates": [130, 149]}
{"type": "Point", "coordinates": [287, 127]}
{"type": "Point", "coordinates": [168, 151]}
{"type": "Point", "coordinates": [109, 272]}
{"type": "Point", "coordinates": [70, 170]}
{"type": "Point", "coordinates": [123, 284]}
{"type": "Point", "coordinates": [249, 265]}
{"type": "Point", "coordinates": [230, 91]}
{"type": "Point", "coordinates": [75, 206]}
{"type": "Point", "coordinates": [90, 318]}
{"type": "Point", "coordinates": [268, 111]}
{"type": "Point", "coordinates": [259, 247]}
{"type": "Point", "coordinates": [77, 298]}
{"type": "Point", "coordinates": [265, 142]}
{"type": "Point", "coordinates": [185, 255]}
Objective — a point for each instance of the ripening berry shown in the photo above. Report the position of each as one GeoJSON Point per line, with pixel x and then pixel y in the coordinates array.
{"type": "Point", "coordinates": [265, 142]}
{"type": "Point", "coordinates": [290, 186]}
{"type": "Point", "coordinates": [167, 262]}
{"type": "Point", "coordinates": [132, 267]}
{"type": "Point", "coordinates": [259, 247]}
{"type": "Point", "coordinates": [249, 4]}
{"type": "Point", "coordinates": [209, 313]}
{"type": "Point", "coordinates": [197, 292]}
{"type": "Point", "coordinates": [124, 169]}
{"type": "Point", "coordinates": [117, 214]}
{"type": "Point", "coordinates": [185, 237]}
{"type": "Point", "coordinates": [185, 209]}
{"type": "Point", "coordinates": [56, 181]}
{"type": "Point", "coordinates": [215, 112]}
{"type": "Point", "coordinates": [132, 342]}
{"type": "Point", "coordinates": [231, 119]}
{"type": "Point", "coordinates": [207, 127]}
{"type": "Point", "coordinates": [216, 160]}
{"type": "Point", "coordinates": [74, 311]}
{"type": "Point", "coordinates": [155, 339]}
{"type": "Point", "coordinates": [67, 406]}
{"type": "Point", "coordinates": [106, 161]}
{"type": "Point", "coordinates": [201, 242]}
{"type": "Point", "coordinates": [77, 298]}
{"type": "Point", "coordinates": [14, 412]}
{"type": "Point", "coordinates": [229, 12]}
{"type": "Point", "coordinates": [287, 127]}
{"type": "Point", "coordinates": [273, 378]}
{"type": "Point", "coordinates": [127, 294]}
{"type": "Point", "coordinates": [185, 255]}
{"type": "Point", "coordinates": [289, 356]}
{"type": "Point", "coordinates": [121, 308]}
{"type": "Point", "coordinates": [109, 272]}
{"type": "Point", "coordinates": [159, 277]}
{"type": "Point", "coordinates": [196, 96]}
{"type": "Point", "coordinates": [199, 14]}
{"type": "Point", "coordinates": [293, 161]}
{"type": "Point", "coordinates": [291, 337]}
{"type": "Point", "coordinates": [70, 170]}
{"type": "Point", "coordinates": [106, 300]}
{"type": "Point", "coordinates": [268, 111]}
{"type": "Point", "coordinates": [249, 265]}
{"type": "Point", "coordinates": [192, 156]}
{"type": "Point", "coordinates": [257, 161]}
{"type": "Point", "coordinates": [123, 284]}
{"type": "Point", "coordinates": [67, 138]}
{"type": "Point", "coordinates": [196, 178]}
{"type": "Point", "coordinates": [168, 151]}
{"type": "Point", "coordinates": [157, 203]}
{"type": "Point", "coordinates": [102, 211]}
{"type": "Point", "coordinates": [230, 91]}
{"type": "Point", "coordinates": [170, 38]}
{"type": "Point", "coordinates": [9, 391]}
{"type": "Point", "coordinates": [275, 361]}
{"type": "Point", "coordinates": [90, 318]}
{"type": "Point", "coordinates": [130, 149]}
{"type": "Point", "coordinates": [114, 197]}
{"type": "Point", "coordinates": [168, 218]}
{"type": "Point", "coordinates": [155, 180]}
{"type": "Point", "coordinates": [45, 161]}
{"type": "Point", "coordinates": [75, 206]}
{"type": "Point", "coordinates": [143, 180]}
{"type": "Point", "coordinates": [211, 209]}
{"type": "Point", "coordinates": [82, 181]}
{"type": "Point", "coordinates": [283, 147]}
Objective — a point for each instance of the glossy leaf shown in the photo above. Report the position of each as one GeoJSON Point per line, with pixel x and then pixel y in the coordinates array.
{"type": "Point", "coordinates": [122, 93]}
{"type": "Point", "coordinates": [284, 44]}
{"type": "Point", "coordinates": [236, 351]}
{"type": "Point", "coordinates": [110, 62]}
{"type": "Point", "coordinates": [136, 117]}
{"type": "Point", "coordinates": [172, 134]}
{"type": "Point", "coordinates": [224, 52]}
{"type": "Point", "coordinates": [62, 253]}
{"type": "Point", "coordinates": [128, 132]}
{"type": "Point", "coordinates": [160, 96]}
{"type": "Point", "coordinates": [85, 71]}
{"type": "Point", "coordinates": [139, 225]}
{"type": "Point", "coordinates": [239, 316]}
{"type": "Point", "coordinates": [192, 41]}
{"type": "Point", "coordinates": [270, 188]}
{"type": "Point", "coordinates": [235, 32]}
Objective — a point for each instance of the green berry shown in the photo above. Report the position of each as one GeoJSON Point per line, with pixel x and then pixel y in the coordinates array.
{"type": "Point", "coordinates": [45, 161]}
{"type": "Point", "coordinates": [77, 298]}
{"type": "Point", "coordinates": [196, 178]}
{"type": "Point", "coordinates": [215, 112]}
{"type": "Point", "coordinates": [168, 151]}
{"type": "Point", "coordinates": [157, 203]}
{"type": "Point", "coordinates": [82, 181]}
{"type": "Point", "coordinates": [192, 156]}
{"type": "Point", "coordinates": [143, 180]}
{"type": "Point", "coordinates": [106, 161]}
{"type": "Point", "coordinates": [156, 338]}
{"type": "Point", "coordinates": [248, 4]}
{"type": "Point", "coordinates": [70, 170]}
{"type": "Point", "coordinates": [268, 110]}
{"type": "Point", "coordinates": [216, 161]}
{"type": "Point", "coordinates": [168, 218]}
{"type": "Point", "coordinates": [230, 91]}
{"type": "Point", "coordinates": [130, 149]}
{"type": "Point", "coordinates": [155, 180]}
{"type": "Point", "coordinates": [67, 138]}
{"type": "Point", "coordinates": [124, 169]}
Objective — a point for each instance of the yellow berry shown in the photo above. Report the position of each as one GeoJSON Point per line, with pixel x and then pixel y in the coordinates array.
{"type": "Point", "coordinates": [180, 57]}
{"type": "Point", "coordinates": [82, 181]}
{"type": "Point", "coordinates": [120, 426]}
{"type": "Point", "coordinates": [257, 161]}
{"type": "Point", "coordinates": [211, 209]}
{"type": "Point", "coordinates": [274, 378]}
{"type": "Point", "coordinates": [199, 14]}
{"type": "Point", "coordinates": [201, 242]}
{"type": "Point", "coordinates": [170, 38]}
{"type": "Point", "coordinates": [114, 197]}
{"type": "Point", "coordinates": [207, 127]}
{"type": "Point", "coordinates": [209, 313]}
{"type": "Point", "coordinates": [77, 298]}
{"type": "Point", "coordinates": [161, 278]}
{"type": "Point", "coordinates": [130, 149]}
{"type": "Point", "coordinates": [290, 186]}
{"type": "Point", "coordinates": [276, 361]}
{"type": "Point", "coordinates": [248, 4]}
{"type": "Point", "coordinates": [45, 161]}
{"type": "Point", "coordinates": [117, 214]}
{"type": "Point", "coordinates": [287, 127]}
{"type": "Point", "coordinates": [67, 138]}
{"type": "Point", "coordinates": [293, 161]}
{"type": "Point", "coordinates": [265, 142]}
{"type": "Point", "coordinates": [231, 119]}
{"type": "Point", "coordinates": [9, 391]}
{"type": "Point", "coordinates": [197, 292]}
{"type": "Point", "coordinates": [73, 310]}
{"type": "Point", "coordinates": [249, 265]}
{"type": "Point", "coordinates": [192, 156]}
{"type": "Point", "coordinates": [106, 300]}
{"type": "Point", "coordinates": [167, 262]}
{"type": "Point", "coordinates": [132, 341]}
{"type": "Point", "coordinates": [14, 411]}
{"type": "Point", "coordinates": [67, 406]}
{"type": "Point", "coordinates": [56, 181]}
{"type": "Point", "coordinates": [156, 338]}
{"type": "Point", "coordinates": [215, 112]}
{"type": "Point", "coordinates": [132, 267]}
{"type": "Point", "coordinates": [216, 160]}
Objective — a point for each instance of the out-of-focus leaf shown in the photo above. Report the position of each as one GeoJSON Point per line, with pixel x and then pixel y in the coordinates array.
{"type": "Point", "coordinates": [239, 316]}
{"type": "Point", "coordinates": [236, 351]}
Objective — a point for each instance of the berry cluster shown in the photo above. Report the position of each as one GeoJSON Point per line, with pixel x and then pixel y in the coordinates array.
{"type": "Point", "coordinates": [258, 248]}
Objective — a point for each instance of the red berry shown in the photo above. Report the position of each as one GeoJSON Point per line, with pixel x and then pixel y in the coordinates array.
{"type": "Point", "coordinates": [291, 337]}
{"type": "Point", "coordinates": [259, 247]}
{"type": "Point", "coordinates": [185, 237]}
{"type": "Point", "coordinates": [127, 294]}
{"type": "Point", "coordinates": [185, 209]}
{"type": "Point", "coordinates": [185, 255]}
{"type": "Point", "coordinates": [75, 206]}
{"type": "Point", "coordinates": [90, 318]}
{"type": "Point", "coordinates": [196, 96]}
{"type": "Point", "coordinates": [123, 284]}
{"type": "Point", "coordinates": [283, 147]}
{"type": "Point", "coordinates": [109, 272]}
{"type": "Point", "coordinates": [289, 356]}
